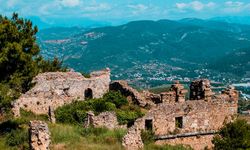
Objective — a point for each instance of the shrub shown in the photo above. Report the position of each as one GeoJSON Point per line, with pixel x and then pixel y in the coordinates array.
{"type": "Point", "coordinates": [233, 136]}
{"type": "Point", "coordinates": [100, 105]}
{"type": "Point", "coordinates": [116, 98]}
{"type": "Point", "coordinates": [113, 101]}
{"type": "Point", "coordinates": [8, 126]}
{"type": "Point", "coordinates": [18, 138]}
{"type": "Point", "coordinates": [128, 114]}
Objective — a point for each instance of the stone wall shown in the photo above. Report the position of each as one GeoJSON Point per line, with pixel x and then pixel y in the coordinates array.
{"type": "Point", "coordinates": [54, 89]}
{"type": "Point", "coordinates": [177, 93]}
{"type": "Point", "coordinates": [198, 142]}
{"type": "Point", "coordinates": [132, 94]}
{"type": "Point", "coordinates": [190, 116]}
{"type": "Point", "coordinates": [132, 140]}
{"type": "Point", "coordinates": [201, 89]}
{"type": "Point", "coordinates": [148, 99]}
{"type": "Point", "coordinates": [104, 119]}
{"type": "Point", "coordinates": [39, 135]}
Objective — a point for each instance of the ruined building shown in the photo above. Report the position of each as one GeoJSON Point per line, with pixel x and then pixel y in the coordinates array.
{"type": "Point", "coordinates": [173, 116]}
{"type": "Point", "coordinates": [175, 120]}
{"type": "Point", "coordinates": [54, 89]}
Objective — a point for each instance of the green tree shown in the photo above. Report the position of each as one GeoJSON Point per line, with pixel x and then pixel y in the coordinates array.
{"type": "Point", "coordinates": [233, 136]}
{"type": "Point", "coordinates": [19, 58]}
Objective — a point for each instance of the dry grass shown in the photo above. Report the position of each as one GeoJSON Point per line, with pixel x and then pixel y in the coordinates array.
{"type": "Point", "coordinates": [245, 117]}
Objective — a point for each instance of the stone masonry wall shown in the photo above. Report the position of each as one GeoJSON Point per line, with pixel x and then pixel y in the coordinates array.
{"type": "Point", "coordinates": [54, 89]}
{"type": "Point", "coordinates": [195, 115]}
{"type": "Point", "coordinates": [104, 119]}
{"type": "Point", "coordinates": [39, 135]}
{"type": "Point", "coordinates": [201, 89]}
{"type": "Point", "coordinates": [132, 94]}
{"type": "Point", "coordinates": [197, 142]}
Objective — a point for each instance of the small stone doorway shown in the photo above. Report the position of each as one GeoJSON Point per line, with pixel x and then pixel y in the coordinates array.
{"type": "Point", "coordinates": [88, 94]}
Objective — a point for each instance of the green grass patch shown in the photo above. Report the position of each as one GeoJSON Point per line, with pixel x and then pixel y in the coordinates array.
{"type": "Point", "coordinates": [67, 136]}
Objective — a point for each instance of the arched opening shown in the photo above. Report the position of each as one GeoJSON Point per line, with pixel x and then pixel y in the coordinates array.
{"type": "Point", "coordinates": [88, 93]}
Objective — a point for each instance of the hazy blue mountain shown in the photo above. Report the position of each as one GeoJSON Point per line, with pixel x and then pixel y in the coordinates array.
{"type": "Point", "coordinates": [57, 33]}
{"type": "Point", "coordinates": [67, 22]}
{"type": "Point", "coordinates": [217, 25]}
{"type": "Point", "coordinates": [150, 49]}
{"type": "Point", "coordinates": [234, 19]}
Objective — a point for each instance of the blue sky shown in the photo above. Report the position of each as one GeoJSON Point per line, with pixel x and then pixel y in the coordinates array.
{"type": "Point", "coordinates": [111, 10]}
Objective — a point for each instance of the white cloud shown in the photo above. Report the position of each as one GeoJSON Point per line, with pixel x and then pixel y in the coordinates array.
{"type": "Point", "coordinates": [138, 7]}
{"type": "Point", "coordinates": [97, 7]}
{"type": "Point", "coordinates": [195, 5]}
{"type": "Point", "coordinates": [236, 6]}
{"type": "Point", "coordinates": [181, 5]}
{"type": "Point", "coordinates": [70, 3]}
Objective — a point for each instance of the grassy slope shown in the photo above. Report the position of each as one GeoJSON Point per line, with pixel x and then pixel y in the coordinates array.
{"type": "Point", "coordinates": [75, 137]}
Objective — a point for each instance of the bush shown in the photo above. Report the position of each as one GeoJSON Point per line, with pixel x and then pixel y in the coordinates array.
{"type": "Point", "coordinates": [8, 126]}
{"type": "Point", "coordinates": [128, 114]}
{"type": "Point", "coordinates": [233, 136]}
{"type": "Point", "coordinates": [113, 101]}
{"type": "Point", "coordinates": [116, 98]}
{"type": "Point", "coordinates": [18, 138]}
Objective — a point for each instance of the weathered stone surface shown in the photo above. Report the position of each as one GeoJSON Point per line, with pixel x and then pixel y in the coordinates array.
{"type": "Point", "coordinates": [187, 117]}
{"type": "Point", "coordinates": [54, 89]}
{"type": "Point", "coordinates": [129, 92]}
{"type": "Point", "coordinates": [201, 89]}
{"type": "Point", "coordinates": [104, 119]}
{"type": "Point", "coordinates": [132, 140]}
{"type": "Point", "coordinates": [232, 93]}
{"type": "Point", "coordinates": [179, 91]}
{"type": "Point", "coordinates": [197, 142]}
{"type": "Point", "coordinates": [39, 135]}
{"type": "Point", "coordinates": [152, 97]}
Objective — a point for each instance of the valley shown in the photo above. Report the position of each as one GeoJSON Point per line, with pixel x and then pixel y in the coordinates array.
{"type": "Point", "coordinates": [151, 53]}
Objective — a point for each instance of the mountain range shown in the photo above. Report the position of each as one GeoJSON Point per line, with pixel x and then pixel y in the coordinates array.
{"type": "Point", "coordinates": [150, 51]}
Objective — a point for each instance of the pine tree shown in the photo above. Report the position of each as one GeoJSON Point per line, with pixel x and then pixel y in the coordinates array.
{"type": "Point", "coordinates": [19, 58]}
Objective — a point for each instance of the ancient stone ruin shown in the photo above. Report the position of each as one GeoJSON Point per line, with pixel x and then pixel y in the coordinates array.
{"type": "Point", "coordinates": [172, 116]}
{"type": "Point", "coordinates": [190, 122]}
{"type": "Point", "coordinates": [54, 89]}
{"type": "Point", "coordinates": [132, 94]}
{"type": "Point", "coordinates": [201, 89]}
{"type": "Point", "coordinates": [104, 119]}
{"type": "Point", "coordinates": [39, 135]}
